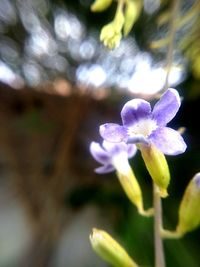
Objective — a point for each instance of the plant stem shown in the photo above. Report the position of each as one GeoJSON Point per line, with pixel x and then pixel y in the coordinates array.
{"type": "Point", "coordinates": [171, 234]}
{"type": "Point", "coordinates": [158, 243]}
{"type": "Point", "coordinates": [171, 36]}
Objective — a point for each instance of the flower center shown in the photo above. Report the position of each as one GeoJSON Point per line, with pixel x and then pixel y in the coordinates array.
{"type": "Point", "coordinates": [143, 127]}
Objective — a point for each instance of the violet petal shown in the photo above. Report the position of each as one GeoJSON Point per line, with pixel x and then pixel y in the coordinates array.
{"type": "Point", "coordinates": [117, 148]}
{"type": "Point", "coordinates": [113, 133]}
{"type": "Point", "coordinates": [137, 138]}
{"type": "Point", "coordinates": [114, 148]}
{"type": "Point", "coordinates": [131, 150]}
{"type": "Point", "coordinates": [104, 169]}
{"type": "Point", "coordinates": [134, 110]}
{"type": "Point", "coordinates": [169, 141]}
{"type": "Point", "coordinates": [166, 108]}
{"type": "Point", "coordinates": [99, 153]}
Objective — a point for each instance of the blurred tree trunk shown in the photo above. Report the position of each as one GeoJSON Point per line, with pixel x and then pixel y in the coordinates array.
{"type": "Point", "coordinates": [43, 161]}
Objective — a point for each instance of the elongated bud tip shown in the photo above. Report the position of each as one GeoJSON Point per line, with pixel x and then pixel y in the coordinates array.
{"type": "Point", "coordinates": [108, 249]}
{"type": "Point", "coordinates": [163, 192]}
{"type": "Point", "coordinates": [189, 212]}
{"type": "Point", "coordinates": [132, 12]}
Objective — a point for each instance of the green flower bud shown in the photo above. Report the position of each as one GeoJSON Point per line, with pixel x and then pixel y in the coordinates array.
{"type": "Point", "coordinates": [100, 5]}
{"type": "Point", "coordinates": [108, 249]}
{"type": "Point", "coordinates": [132, 12]}
{"type": "Point", "coordinates": [157, 167]}
{"type": "Point", "coordinates": [189, 211]}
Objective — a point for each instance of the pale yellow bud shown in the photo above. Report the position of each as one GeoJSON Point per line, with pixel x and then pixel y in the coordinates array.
{"type": "Point", "coordinates": [111, 33]}
{"type": "Point", "coordinates": [189, 211]}
{"type": "Point", "coordinates": [132, 189]}
{"type": "Point", "coordinates": [157, 167]}
{"type": "Point", "coordinates": [100, 5]}
{"type": "Point", "coordinates": [132, 12]}
{"type": "Point", "coordinates": [196, 66]}
{"type": "Point", "coordinates": [109, 36]}
{"type": "Point", "coordinates": [111, 251]}
{"type": "Point", "coordinates": [131, 186]}
{"type": "Point", "coordinates": [119, 20]}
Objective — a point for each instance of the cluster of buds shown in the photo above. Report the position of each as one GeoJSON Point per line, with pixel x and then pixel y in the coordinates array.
{"type": "Point", "coordinates": [126, 15]}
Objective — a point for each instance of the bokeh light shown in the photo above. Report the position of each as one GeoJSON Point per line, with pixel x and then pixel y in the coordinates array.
{"type": "Point", "coordinates": [63, 46]}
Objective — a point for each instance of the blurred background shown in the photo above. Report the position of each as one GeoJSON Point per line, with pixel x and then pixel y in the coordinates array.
{"type": "Point", "coordinates": [57, 85]}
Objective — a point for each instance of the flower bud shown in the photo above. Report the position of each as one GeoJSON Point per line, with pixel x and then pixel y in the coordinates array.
{"type": "Point", "coordinates": [119, 20]}
{"type": "Point", "coordinates": [111, 33]}
{"type": "Point", "coordinates": [109, 36]}
{"type": "Point", "coordinates": [189, 211]}
{"type": "Point", "coordinates": [108, 249]}
{"type": "Point", "coordinates": [157, 167]}
{"type": "Point", "coordinates": [132, 12]}
{"type": "Point", "coordinates": [130, 185]}
{"type": "Point", "coordinates": [196, 66]}
{"type": "Point", "coordinates": [100, 5]}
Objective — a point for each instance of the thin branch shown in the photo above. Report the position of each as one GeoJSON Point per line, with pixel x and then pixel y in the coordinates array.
{"type": "Point", "coordinates": [159, 252]}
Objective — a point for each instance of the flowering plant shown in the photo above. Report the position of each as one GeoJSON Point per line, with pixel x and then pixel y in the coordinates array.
{"type": "Point", "coordinates": [143, 129]}
{"type": "Point", "coordinates": [146, 131]}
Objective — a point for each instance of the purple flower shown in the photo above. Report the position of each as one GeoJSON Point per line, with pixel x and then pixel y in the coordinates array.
{"type": "Point", "coordinates": [112, 156]}
{"type": "Point", "coordinates": [141, 125]}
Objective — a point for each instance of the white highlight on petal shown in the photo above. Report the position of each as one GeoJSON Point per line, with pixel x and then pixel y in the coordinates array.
{"type": "Point", "coordinates": [143, 127]}
{"type": "Point", "coordinates": [121, 164]}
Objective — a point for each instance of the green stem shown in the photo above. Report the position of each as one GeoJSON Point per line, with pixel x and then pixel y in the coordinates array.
{"type": "Point", "coordinates": [159, 252]}
{"type": "Point", "coordinates": [171, 234]}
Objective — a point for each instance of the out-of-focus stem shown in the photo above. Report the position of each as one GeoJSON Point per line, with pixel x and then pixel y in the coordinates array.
{"type": "Point", "coordinates": [171, 234]}
{"type": "Point", "coordinates": [172, 32]}
{"type": "Point", "coordinates": [158, 243]}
